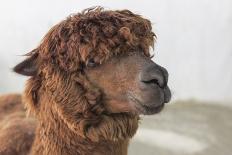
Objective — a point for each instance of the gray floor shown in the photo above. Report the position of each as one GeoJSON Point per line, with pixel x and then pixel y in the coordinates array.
{"type": "Point", "coordinates": [185, 128]}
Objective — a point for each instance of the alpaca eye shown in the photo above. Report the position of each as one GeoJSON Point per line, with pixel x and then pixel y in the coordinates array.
{"type": "Point", "coordinates": [91, 63]}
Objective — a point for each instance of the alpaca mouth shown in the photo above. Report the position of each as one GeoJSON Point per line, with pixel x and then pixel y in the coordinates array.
{"type": "Point", "coordinates": [149, 110]}
{"type": "Point", "coordinates": [146, 109]}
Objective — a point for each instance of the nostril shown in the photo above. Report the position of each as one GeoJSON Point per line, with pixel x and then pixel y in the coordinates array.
{"type": "Point", "coordinates": [154, 75]}
{"type": "Point", "coordinates": [155, 82]}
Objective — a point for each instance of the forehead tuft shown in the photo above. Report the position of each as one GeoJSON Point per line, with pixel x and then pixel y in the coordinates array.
{"type": "Point", "coordinates": [95, 33]}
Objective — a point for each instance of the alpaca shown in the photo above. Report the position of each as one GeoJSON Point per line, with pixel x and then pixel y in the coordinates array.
{"type": "Point", "coordinates": [16, 130]}
{"type": "Point", "coordinates": [90, 79]}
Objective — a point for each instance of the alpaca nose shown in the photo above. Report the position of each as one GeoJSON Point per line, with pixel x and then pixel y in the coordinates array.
{"type": "Point", "coordinates": [154, 74]}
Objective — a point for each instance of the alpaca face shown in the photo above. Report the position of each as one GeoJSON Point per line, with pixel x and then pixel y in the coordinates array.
{"type": "Point", "coordinates": [93, 71]}
{"type": "Point", "coordinates": [131, 83]}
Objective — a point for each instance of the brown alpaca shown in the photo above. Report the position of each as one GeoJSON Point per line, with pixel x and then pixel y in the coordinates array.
{"type": "Point", "coordinates": [16, 130]}
{"type": "Point", "coordinates": [91, 78]}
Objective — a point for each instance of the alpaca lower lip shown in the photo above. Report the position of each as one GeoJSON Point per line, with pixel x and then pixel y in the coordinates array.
{"type": "Point", "coordinates": [147, 109]}
{"type": "Point", "coordinates": [150, 110]}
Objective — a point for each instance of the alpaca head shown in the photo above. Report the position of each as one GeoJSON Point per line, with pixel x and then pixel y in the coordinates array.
{"type": "Point", "coordinates": [95, 63]}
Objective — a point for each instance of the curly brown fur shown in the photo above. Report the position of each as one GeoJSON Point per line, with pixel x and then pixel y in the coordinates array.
{"type": "Point", "coordinates": [72, 114]}
{"type": "Point", "coordinates": [94, 33]}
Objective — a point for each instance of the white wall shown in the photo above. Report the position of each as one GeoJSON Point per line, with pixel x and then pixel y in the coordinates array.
{"type": "Point", "coordinates": [194, 39]}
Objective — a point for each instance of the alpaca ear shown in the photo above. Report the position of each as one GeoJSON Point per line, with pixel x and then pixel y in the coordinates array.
{"type": "Point", "coordinates": [28, 67]}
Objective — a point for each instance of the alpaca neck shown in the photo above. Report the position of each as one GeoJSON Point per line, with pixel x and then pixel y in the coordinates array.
{"type": "Point", "coordinates": [62, 133]}
{"type": "Point", "coordinates": [56, 138]}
